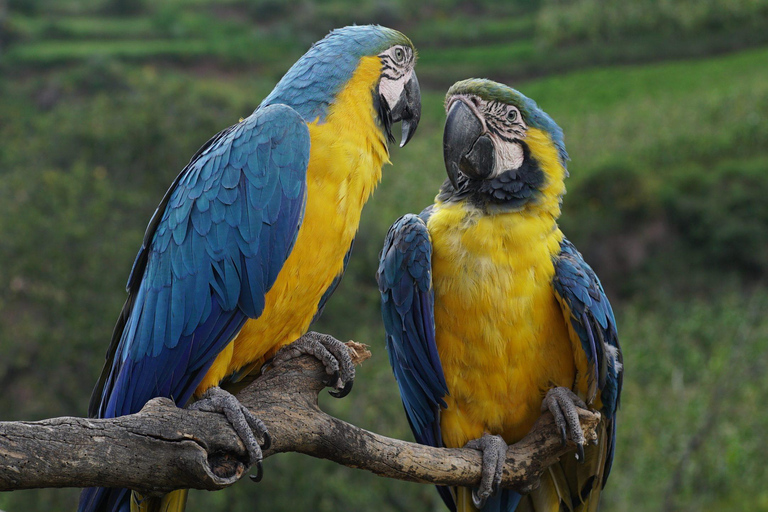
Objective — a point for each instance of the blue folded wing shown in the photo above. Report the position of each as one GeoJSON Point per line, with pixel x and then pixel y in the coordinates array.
{"type": "Point", "coordinates": [580, 293]}
{"type": "Point", "coordinates": [405, 283]}
{"type": "Point", "coordinates": [407, 307]}
{"type": "Point", "coordinates": [212, 251]}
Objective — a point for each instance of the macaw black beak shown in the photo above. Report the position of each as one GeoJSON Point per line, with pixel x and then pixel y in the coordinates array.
{"type": "Point", "coordinates": [465, 149]}
{"type": "Point", "coordinates": [408, 109]}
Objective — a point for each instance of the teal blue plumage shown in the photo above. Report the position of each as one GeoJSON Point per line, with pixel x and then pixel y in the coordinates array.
{"type": "Point", "coordinates": [405, 282]}
{"type": "Point", "coordinates": [212, 250]}
{"type": "Point", "coordinates": [577, 286]}
{"type": "Point", "coordinates": [228, 225]}
{"type": "Point", "coordinates": [218, 240]}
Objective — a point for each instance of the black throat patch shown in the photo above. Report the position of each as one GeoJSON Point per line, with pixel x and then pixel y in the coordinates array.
{"type": "Point", "coordinates": [509, 191]}
{"type": "Point", "coordinates": [385, 116]}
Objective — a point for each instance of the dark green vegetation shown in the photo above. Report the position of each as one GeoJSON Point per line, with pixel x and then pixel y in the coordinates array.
{"type": "Point", "coordinates": [103, 102]}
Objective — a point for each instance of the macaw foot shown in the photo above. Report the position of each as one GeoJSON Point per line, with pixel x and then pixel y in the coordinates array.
{"type": "Point", "coordinates": [563, 404]}
{"type": "Point", "coordinates": [248, 427]}
{"type": "Point", "coordinates": [331, 352]}
{"type": "Point", "coordinates": [494, 450]}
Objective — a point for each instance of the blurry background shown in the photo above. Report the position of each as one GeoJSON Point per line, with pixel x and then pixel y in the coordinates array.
{"type": "Point", "coordinates": [665, 109]}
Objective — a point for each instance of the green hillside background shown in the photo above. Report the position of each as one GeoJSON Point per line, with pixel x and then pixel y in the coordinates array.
{"type": "Point", "coordinates": [664, 105]}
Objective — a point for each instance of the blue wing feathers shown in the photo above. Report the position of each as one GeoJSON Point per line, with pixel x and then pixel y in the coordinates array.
{"type": "Point", "coordinates": [404, 279]}
{"type": "Point", "coordinates": [230, 178]}
{"type": "Point", "coordinates": [205, 204]}
{"type": "Point", "coordinates": [273, 206]}
{"type": "Point", "coordinates": [577, 287]}
{"type": "Point", "coordinates": [217, 243]}
{"type": "Point", "coordinates": [405, 283]}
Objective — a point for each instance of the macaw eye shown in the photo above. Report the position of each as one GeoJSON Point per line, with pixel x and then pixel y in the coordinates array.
{"type": "Point", "coordinates": [512, 115]}
{"type": "Point", "coordinates": [399, 55]}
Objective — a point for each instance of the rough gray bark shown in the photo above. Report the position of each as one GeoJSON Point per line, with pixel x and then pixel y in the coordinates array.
{"type": "Point", "coordinates": [162, 448]}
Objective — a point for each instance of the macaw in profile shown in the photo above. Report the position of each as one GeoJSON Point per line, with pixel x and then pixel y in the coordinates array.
{"type": "Point", "coordinates": [253, 237]}
{"type": "Point", "coordinates": [492, 315]}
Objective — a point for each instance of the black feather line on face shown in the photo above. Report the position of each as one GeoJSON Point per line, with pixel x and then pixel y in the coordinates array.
{"type": "Point", "coordinates": [509, 191]}
{"type": "Point", "coordinates": [385, 115]}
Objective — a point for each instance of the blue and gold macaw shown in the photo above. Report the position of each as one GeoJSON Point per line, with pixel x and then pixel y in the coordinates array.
{"type": "Point", "coordinates": [492, 315]}
{"type": "Point", "coordinates": [254, 235]}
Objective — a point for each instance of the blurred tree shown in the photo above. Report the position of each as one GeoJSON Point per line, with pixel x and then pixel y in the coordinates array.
{"type": "Point", "coordinates": [123, 7]}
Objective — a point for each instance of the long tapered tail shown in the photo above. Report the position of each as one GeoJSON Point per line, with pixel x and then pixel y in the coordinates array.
{"type": "Point", "coordinates": [567, 486]}
{"type": "Point", "coordinates": [570, 485]}
{"type": "Point", "coordinates": [174, 501]}
{"type": "Point", "coordinates": [504, 501]}
{"type": "Point", "coordinates": [101, 499]}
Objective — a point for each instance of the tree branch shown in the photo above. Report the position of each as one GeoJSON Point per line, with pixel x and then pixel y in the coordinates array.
{"type": "Point", "coordinates": [162, 447]}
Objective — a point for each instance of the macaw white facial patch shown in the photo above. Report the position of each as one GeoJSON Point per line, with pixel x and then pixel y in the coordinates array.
{"type": "Point", "coordinates": [396, 68]}
{"type": "Point", "coordinates": [390, 90]}
{"type": "Point", "coordinates": [509, 155]}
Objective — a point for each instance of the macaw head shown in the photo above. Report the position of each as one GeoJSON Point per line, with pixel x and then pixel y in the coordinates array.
{"type": "Point", "coordinates": [399, 95]}
{"type": "Point", "coordinates": [314, 81]}
{"type": "Point", "coordinates": [502, 152]}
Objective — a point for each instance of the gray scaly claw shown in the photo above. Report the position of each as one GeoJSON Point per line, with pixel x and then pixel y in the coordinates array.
{"type": "Point", "coordinates": [563, 404]}
{"type": "Point", "coordinates": [494, 450]}
{"type": "Point", "coordinates": [331, 352]}
{"type": "Point", "coordinates": [247, 426]}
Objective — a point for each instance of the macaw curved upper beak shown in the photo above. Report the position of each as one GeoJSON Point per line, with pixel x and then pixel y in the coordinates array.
{"type": "Point", "coordinates": [408, 109]}
{"type": "Point", "coordinates": [465, 149]}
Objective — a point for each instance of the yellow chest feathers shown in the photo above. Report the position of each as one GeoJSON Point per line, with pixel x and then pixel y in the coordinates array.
{"type": "Point", "coordinates": [347, 152]}
{"type": "Point", "coordinates": [501, 335]}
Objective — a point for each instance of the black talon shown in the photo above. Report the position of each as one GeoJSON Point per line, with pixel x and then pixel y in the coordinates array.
{"type": "Point", "coordinates": [259, 473]}
{"type": "Point", "coordinates": [333, 379]}
{"type": "Point", "coordinates": [563, 437]}
{"type": "Point", "coordinates": [267, 441]}
{"type": "Point", "coordinates": [477, 501]}
{"type": "Point", "coordinates": [580, 453]}
{"type": "Point", "coordinates": [343, 391]}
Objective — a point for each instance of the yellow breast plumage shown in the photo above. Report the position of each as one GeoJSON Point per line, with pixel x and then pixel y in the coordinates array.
{"type": "Point", "coordinates": [500, 332]}
{"type": "Point", "coordinates": [347, 152]}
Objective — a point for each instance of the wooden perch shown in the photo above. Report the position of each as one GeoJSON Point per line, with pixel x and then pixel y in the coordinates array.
{"type": "Point", "coordinates": [162, 447]}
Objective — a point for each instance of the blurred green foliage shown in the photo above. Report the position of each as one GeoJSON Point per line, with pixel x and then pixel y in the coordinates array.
{"type": "Point", "coordinates": [564, 21]}
{"type": "Point", "coordinates": [99, 111]}
{"type": "Point", "coordinates": [534, 37]}
{"type": "Point", "coordinates": [721, 212]}
{"type": "Point", "coordinates": [689, 434]}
